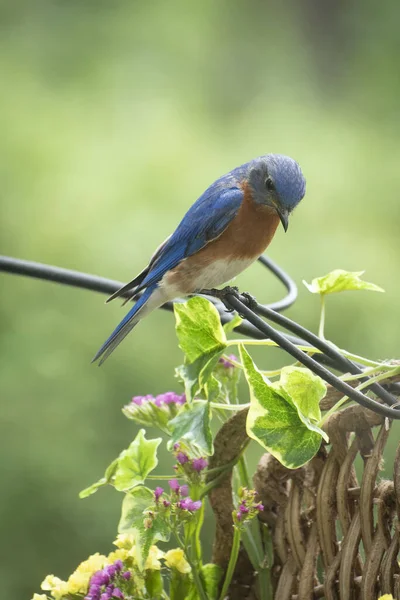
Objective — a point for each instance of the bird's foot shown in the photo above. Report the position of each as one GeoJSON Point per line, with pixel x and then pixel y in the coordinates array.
{"type": "Point", "coordinates": [222, 295]}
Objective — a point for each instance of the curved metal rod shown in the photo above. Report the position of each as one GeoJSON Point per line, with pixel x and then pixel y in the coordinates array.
{"type": "Point", "coordinates": [287, 281]}
{"type": "Point", "coordinates": [309, 362]}
{"type": "Point", "coordinates": [254, 327]}
{"type": "Point", "coordinates": [325, 347]}
{"type": "Point", "coordinates": [102, 285]}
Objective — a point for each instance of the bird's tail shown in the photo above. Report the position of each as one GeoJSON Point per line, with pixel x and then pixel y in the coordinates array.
{"type": "Point", "coordinates": [151, 298]}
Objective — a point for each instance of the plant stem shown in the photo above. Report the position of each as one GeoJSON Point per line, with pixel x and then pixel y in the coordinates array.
{"type": "Point", "coordinates": [367, 372]}
{"type": "Point", "coordinates": [251, 537]}
{"type": "Point", "coordinates": [195, 574]}
{"type": "Point", "coordinates": [167, 477]}
{"type": "Point", "coordinates": [321, 327]}
{"type": "Point", "coordinates": [227, 406]}
{"type": "Point", "coordinates": [360, 387]}
{"type": "Point", "coordinates": [232, 563]}
{"type": "Point", "coordinates": [311, 350]}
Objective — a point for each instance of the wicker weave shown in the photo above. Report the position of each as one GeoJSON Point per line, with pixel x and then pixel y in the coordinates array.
{"type": "Point", "coordinates": [335, 537]}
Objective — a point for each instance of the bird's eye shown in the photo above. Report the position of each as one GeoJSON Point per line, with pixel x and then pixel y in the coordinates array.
{"type": "Point", "coordinates": [269, 184]}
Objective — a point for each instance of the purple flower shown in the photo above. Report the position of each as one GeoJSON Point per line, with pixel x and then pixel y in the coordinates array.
{"type": "Point", "coordinates": [118, 594]}
{"type": "Point", "coordinates": [199, 464]}
{"type": "Point", "coordinates": [238, 516]}
{"type": "Point", "coordinates": [243, 509]}
{"type": "Point", "coordinates": [184, 491]}
{"type": "Point", "coordinates": [157, 493]}
{"type": "Point", "coordinates": [119, 564]}
{"type": "Point", "coordinates": [127, 575]}
{"type": "Point", "coordinates": [139, 400]}
{"type": "Point", "coordinates": [259, 506]}
{"type": "Point", "coordinates": [174, 485]}
{"type": "Point", "coordinates": [166, 503]}
{"type": "Point", "coordinates": [226, 362]}
{"type": "Point", "coordinates": [111, 570]}
{"type": "Point", "coordinates": [182, 458]}
{"type": "Point", "coordinates": [94, 591]}
{"type": "Point", "coordinates": [110, 589]}
{"type": "Point", "coordinates": [100, 578]}
{"type": "Point", "coordinates": [189, 504]}
{"type": "Point", "coordinates": [176, 446]}
{"type": "Point", "coordinates": [105, 596]}
{"type": "Point", "coordinates": [170, 398]}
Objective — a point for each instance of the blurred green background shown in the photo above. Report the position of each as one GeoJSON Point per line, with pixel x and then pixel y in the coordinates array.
{"type": "Point", "coordinates": [114, 118]}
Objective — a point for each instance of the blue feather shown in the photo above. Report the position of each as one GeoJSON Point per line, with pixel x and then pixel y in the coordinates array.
{"type": "Point", "coordinates": [127, 324]}
{"type": "Point", "coordinates": [205, 220]}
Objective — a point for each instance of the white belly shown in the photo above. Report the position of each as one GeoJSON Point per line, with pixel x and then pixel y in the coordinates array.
{"type": "Point", "coordinates": [209, 276]}
{"type": "Point", "coordinates": [220, 271]}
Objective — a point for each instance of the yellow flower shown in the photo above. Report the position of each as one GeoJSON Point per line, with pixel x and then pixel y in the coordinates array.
{"type": "Point", "coordinates": [386, 597]}
{"type": "Point", "coordinates": [39, 597]}
{"type": "Point", "coordinates": [175, 559]}
{"type": "Point", "coordinates": [121, 554]}
{"type": "Point", "coordinates": [153, 559]}
{"type": "Point", "coordinates": [124, 540]}
{"type": "Point", "coordinates": [78, 583]}
{"type": "Point", "coordinates": [94, 563]}
{"type": "Point", "coordinates": [56, 586]}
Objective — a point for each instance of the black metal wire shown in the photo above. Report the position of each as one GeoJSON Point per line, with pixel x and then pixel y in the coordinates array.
{"type": "Point", "coordinates": [253, 327]}
{"type": "Point", "coordinates": [309, 362]}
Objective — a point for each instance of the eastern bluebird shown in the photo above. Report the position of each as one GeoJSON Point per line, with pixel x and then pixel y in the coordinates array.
{"type": "Point", "coordinates": [224, 231]}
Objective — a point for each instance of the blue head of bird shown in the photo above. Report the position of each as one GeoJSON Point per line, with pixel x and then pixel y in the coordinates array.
{"type": "Point", "coordinates": [277, 181]}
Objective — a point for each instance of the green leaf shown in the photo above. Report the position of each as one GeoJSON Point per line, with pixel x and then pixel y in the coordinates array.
{"type": "Point", "coordinates": [108, 475]}
{"type": "Point", "coordinates": [305, 390]}
{"type": "Point", "coordinates": [212, 575]}
{"type": "Point", "coordinates": [136, 462]}
{"type": "Point", "coordinates": [196, 374]}
{"type": "Point", "coordinates": [154, 584]}
{"type": "Point", "coordinates": [199, 328]}
{"type": "Point", "coordinates": [274, 421]}
{"type": "Point", "coordinates": [340, 281]}
{"type": "Point", "coordinates": [135, 506]}
{"type": "Point", "coordinates": [192, 424]}
{"type": "Point", "coordinates": [235, 322]}
{"type": "Point", "coordinates": [181, 587]}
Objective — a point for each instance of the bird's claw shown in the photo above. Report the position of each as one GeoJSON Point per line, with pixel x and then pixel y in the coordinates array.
{"type": "Point", "coordinates": [244, 297]}
{"type": "Point", "coordinates": [250, 301]}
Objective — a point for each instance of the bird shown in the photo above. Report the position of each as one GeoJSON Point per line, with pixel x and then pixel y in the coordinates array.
{"type": "Point", "coordinates": [222, 233]}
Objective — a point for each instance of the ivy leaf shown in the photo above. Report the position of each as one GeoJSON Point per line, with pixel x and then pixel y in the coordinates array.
{"type": "Point", "coordinates": [108, 475]}
{"type": "Point", "coordinates": [133, 520]}
{"type": "Point", "coordinates": [340, 281]}
{"type": "Point", "coordinates": [136, 462]}
{"type": "Point", "coordinates": [274, 421]}
{"type": "Point", "coordinates": [199, 328]}
{"type": "Point", "coordinates": [234, 322]}
{"type": "Point", "coordinates": [192, 424]}
{"type": "Point", "coordinates": [196, 374]}
{"type": "Point", "coordinates": [306, 388]}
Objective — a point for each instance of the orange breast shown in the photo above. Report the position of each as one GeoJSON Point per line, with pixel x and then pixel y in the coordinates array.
{"type": "Point", "coordinates": [247, 236]}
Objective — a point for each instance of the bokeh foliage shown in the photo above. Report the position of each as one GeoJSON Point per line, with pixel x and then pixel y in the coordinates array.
{"type": "Point", "coordinates": [114, 118]}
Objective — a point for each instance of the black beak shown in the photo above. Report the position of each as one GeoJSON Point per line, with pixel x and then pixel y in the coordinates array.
{"type": "Point", "coordinates": [284, 216]}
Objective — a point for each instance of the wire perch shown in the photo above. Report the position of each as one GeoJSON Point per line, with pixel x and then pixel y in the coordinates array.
{"type": "Point", "coordinates": [254, 326]}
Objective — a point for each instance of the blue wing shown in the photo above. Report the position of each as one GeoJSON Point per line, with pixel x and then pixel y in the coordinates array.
{"type": "Point", "coordinates": [205, 221]}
